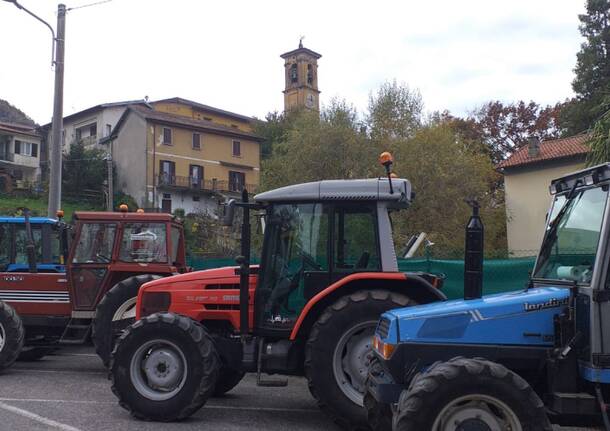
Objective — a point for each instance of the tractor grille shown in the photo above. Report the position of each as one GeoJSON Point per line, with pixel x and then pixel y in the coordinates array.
{"type": "Point", "coordinates": [383, 328]}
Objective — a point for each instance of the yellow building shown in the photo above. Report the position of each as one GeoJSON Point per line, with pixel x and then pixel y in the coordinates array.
{"type": "Point", "coordinates": [527, 176]}
{"type": "Point", "coordinates": [301, 79]}
{"type": "Point", "coordinates": [175, 153]}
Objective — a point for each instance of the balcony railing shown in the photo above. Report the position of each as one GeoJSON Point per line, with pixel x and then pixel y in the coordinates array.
{"type": "Point", "coordinates": [200, 184]}
{"type": "Point", "coordinates": [5, 156]}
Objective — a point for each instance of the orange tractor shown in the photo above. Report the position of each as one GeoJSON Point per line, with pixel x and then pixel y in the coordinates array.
{"type": "Point", "coordinates": [328, 270]}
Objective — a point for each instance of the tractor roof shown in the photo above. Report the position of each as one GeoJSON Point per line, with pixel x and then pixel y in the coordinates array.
{"type": "Point", "coordinates": [373, 189]}
{"type": "Point", "coordinates": [33, 220]}
{"type": "Point", "coordinates": [120, 216]}
{"type": "Point", "coordinates": [585, 177]}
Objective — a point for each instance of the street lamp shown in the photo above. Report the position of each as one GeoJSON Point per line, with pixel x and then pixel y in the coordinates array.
{"type": "Point", "coordinates": [57, 59]}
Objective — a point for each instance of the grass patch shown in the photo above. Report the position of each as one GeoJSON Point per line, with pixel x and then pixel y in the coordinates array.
{"type": "Point", "coordinates": [10, 206]}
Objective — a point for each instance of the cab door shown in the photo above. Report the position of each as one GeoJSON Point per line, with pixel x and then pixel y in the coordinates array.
{"type": "Point", "coordinates": [91, 256]}
{"type": "Point", "coordinates": [355, 240]}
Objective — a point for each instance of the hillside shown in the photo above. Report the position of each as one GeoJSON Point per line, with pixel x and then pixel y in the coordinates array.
{"type": "Point", "coordinates": [11, 114]}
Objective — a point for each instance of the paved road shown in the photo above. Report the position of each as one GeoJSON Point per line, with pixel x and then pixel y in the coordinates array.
{"type": "Point", "coordinates": [69, 392]}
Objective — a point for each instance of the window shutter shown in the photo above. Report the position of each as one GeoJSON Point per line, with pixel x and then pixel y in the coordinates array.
{"type": "Point", "coordinates": [17, 147]}
{"type": "Point", "coordinates": [34, 150]}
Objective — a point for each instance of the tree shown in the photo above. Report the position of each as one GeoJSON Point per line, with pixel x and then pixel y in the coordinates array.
{"type": "Point", "coordinates": [506, 127]}
{"type": "Point", "coordinates": [592, 81]}
{"type": "Point", "coordinates": [444, 172]}
{"type": "Point", "coordinates": [327, 146]}
{"type": "Point", "coordinates": [395, 112]}
{"type": "Point", "coordinates": [273, 130]}
{"type": "Point", "coordinates": [84, 172]}
{"type": "Point", "coordinates": [600, 140]}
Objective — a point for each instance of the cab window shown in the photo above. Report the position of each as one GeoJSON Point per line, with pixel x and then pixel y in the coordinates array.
{"type": "Point", "coordinates": [144, 242]}
{"type": "Point", "coordinates": [355, 239]}
{"type": "Point", "coordinates": [21, 242]}
{"type": "Point", "coordinates": [95, 243]}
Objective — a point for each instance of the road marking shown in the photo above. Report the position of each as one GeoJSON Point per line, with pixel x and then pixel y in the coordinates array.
{"type": "Point", "coordinates": [207, 406]}
{"type": "Point", "coordinates": [37, 418]}
{"type": "Point", "coordinates": [35, 370]}
{"type": "Point", "coordinates": [42, 400]}
{"type": "Point", "coordinates": [264, 409]}
{"type": "Point", "coordinates": [93, 355]}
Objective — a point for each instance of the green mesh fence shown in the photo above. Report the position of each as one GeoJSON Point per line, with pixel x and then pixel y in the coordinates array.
{"type": "Point", "coordinates": [499, 275]}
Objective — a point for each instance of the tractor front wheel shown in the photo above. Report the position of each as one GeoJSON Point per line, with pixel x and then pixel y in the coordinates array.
{"type": "Point", "coordinates": [469, 394]}
{"type": "Point", "coordinates": [339, 351]}
{"type": "Point", "coordinates": [115, 312]}
{"type": "Point", "coordinates": [228, 378]}
{"type": "Point", "coordinates": [12, 335]}
{"type": "Point", "coordinates": [164, 367]}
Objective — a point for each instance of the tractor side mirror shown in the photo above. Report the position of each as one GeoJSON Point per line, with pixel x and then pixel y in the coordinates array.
{"type": "Point", "coordinates": [229, 213]}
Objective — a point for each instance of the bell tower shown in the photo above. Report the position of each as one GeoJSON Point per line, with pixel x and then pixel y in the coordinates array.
{"type": "Point", "coordinates": [301, 79]}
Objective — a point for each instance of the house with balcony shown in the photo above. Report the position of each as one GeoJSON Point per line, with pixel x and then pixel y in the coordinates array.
{"type": "Point", "coordinates": [19, 156]}
{"type": "Point", "coordinates": [89, 126]}
{"type": "Point", "coordinates": [176, 153]}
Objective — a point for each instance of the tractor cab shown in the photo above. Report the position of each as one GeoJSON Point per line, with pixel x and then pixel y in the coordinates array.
{"type": "Point", "coordinates": [50, 239]}
{"type": "Point", "coordinates": [108, 247]}
{"type": "Point", "coordinates": [319, 233]}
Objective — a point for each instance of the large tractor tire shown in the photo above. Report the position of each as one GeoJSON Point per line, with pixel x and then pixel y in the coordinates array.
{"type": "Point", "coordinates": [115, 312]}
{"type": "Point", "coordinates": [227, 380]}
{"type": "Point", "coordinates": [12, 335]}
{"type": "Point", "coordinates": [469, 394]}
{"type": "Point", "coordinates": [164, 367]}
{"type": "Point", "coordinates": [339, 351]}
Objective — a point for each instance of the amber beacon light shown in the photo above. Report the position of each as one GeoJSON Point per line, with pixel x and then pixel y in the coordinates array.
{"type": "Point", "coordinates": [386, 160]}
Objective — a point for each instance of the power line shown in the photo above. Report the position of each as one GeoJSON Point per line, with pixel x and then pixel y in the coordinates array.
{"type": "Point", "coordinates": [87, 5]}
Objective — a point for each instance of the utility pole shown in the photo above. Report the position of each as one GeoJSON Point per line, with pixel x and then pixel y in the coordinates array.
{"type": "Point", "coordinates": [57, 125]}
{"type": "Point", "coordinates": [110, 184]}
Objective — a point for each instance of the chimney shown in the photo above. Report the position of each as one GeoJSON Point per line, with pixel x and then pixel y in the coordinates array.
{"type": "Point", "coordinates": [533, 147]}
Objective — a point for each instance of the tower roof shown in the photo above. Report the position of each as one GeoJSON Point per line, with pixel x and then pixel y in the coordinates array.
{"type": "Point", "coordinates": [301, 50]}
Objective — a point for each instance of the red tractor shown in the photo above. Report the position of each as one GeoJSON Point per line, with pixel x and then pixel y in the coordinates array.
{"type": "Point", "coordinates": [111, 255]}
{"type": "Point", "coordinates": [328, 270]}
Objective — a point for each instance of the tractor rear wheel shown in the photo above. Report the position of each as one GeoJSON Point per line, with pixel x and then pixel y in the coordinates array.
{"type": "Point", "coordinates": [469, 394]}
{"type": "Point", "coordinates": [164, 367]}
{"type": "Point", "coordinates": [115, 312]}
{"type": "Point", "coordinates": [339, 351]}
{"type": "Point", "coordinates": [12, 335]}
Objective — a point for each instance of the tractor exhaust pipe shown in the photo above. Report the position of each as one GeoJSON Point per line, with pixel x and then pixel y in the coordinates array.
{"type": "Point", "coordinates": [244, 268]}
{"type": "Point", "coordinates": [473, 256]}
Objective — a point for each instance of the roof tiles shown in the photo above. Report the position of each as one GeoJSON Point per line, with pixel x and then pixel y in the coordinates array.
{"type": "Point", "coordinates": [549, 150]}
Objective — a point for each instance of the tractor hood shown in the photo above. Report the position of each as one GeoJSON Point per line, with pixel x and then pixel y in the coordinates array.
{"type": "Point", "coordinates": [519, 318]}
{"type": "Point", "coordinates": [201, 277]}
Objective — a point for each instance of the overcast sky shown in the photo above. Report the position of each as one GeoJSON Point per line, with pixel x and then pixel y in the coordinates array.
{"type": "Point", "coordinates": [459, 54]}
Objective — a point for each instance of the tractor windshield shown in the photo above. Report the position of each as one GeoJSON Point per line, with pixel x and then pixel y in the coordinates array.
{"type": "Point", "coordinates": [570, 243]}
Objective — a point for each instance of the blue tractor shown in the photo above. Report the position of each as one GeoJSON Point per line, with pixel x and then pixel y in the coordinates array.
{"type": "Point", "coordinates": [510, 361]}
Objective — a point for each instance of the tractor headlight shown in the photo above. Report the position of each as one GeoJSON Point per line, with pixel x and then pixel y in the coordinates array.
{"type": "Point", "coordinates": [384, 349]}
